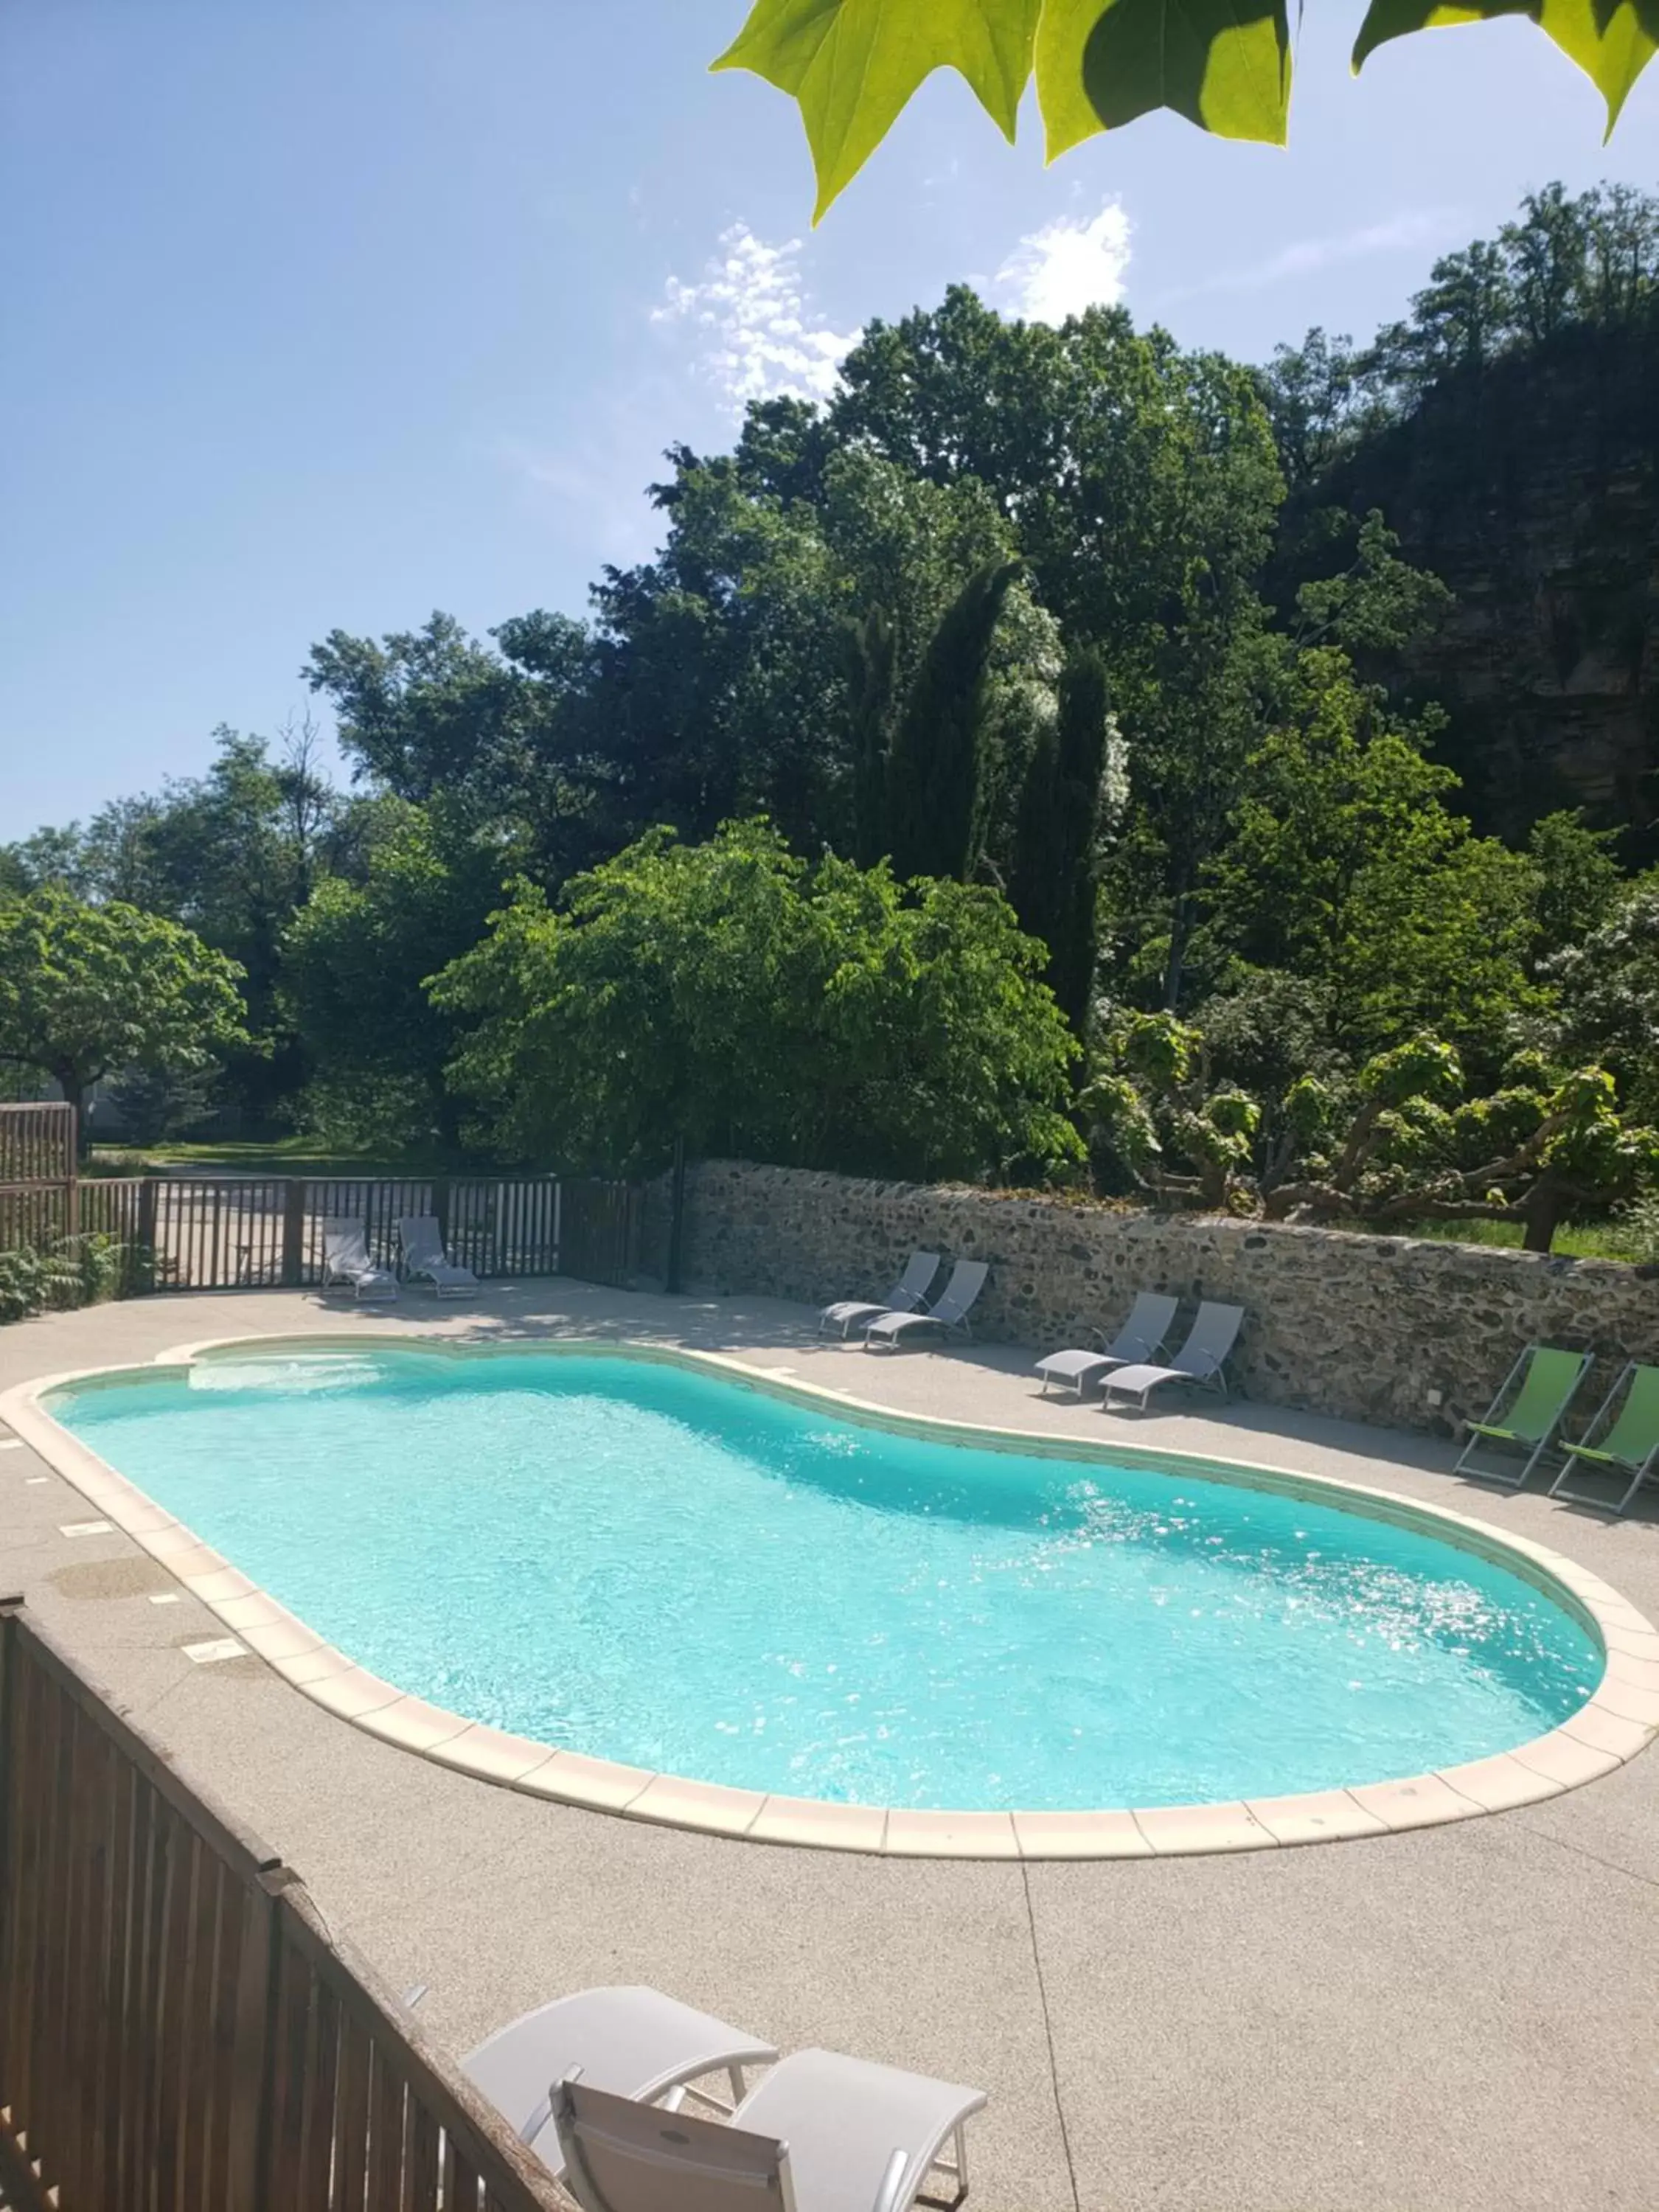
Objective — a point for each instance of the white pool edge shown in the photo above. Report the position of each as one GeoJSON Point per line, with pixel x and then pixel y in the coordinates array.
{"type": "Point", "coordinates": [1619, 1719]}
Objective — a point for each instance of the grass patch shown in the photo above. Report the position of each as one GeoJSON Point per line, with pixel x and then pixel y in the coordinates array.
{"type": "Point", "coordinates": [298, 1157]}
{"type": "Point", "coordinates": [1574, 1240]}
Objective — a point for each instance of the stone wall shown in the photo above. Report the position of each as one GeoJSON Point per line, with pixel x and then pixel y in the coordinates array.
{"type": "Point", "coordinates": [1389, 1329]}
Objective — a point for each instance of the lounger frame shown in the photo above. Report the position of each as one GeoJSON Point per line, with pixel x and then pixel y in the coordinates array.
{"type": "Point", "coordinates": [1603, 1422]}
{"type": "Point", "coordinates": [1509, 1392]}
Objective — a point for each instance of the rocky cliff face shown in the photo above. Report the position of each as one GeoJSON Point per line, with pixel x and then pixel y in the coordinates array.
{"type": "Point", "coordinates": [1534, 490]}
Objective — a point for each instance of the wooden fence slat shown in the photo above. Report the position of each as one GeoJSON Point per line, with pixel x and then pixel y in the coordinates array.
{"type": "Point", "coordinates": [350, 2158]}
{"type": "Point", "coordinates": [173, 1960]}
{"type": "Point", "coordinates": [321, 2085]}
{"type": "Point", "coordinates": [288, 2082]}
{"type": "Point", "coordinates": [421, 2190]}
{"type": "Point", "coordinates": [384, 2191]}
{"type": "Point", "coordinates": [460, 2178]}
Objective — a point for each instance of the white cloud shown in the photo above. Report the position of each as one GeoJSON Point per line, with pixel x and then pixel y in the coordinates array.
{"type": "Point", "coordinates": [761, 336]}
{"type": "Point", "coordinates": [1070, 264]}
{"type": "Point", "coordinates": [1306, 257]}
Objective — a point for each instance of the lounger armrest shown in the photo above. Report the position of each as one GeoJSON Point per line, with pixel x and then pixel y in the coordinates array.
{"type": "Point", "coordinates": [889, 2198]}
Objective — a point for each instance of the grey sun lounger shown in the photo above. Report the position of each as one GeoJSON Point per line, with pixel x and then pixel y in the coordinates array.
{"type": "Point", "coordinates": [821, 2134]}
{"type": "Point", "coordinates": [908, 1294]}
{"type": "Point", "coordinates": [1203, 1358]}
{"type": "Point", "coordinates": [424, 1254]}
{"type": "Point", "coordinates": [634, 2042]}
{"type": "Point", "coordinates": [345, 1260]}
{"type": "Point", "coordinates": [949, 1311]}
{"type": "Point", "coordinates": [1140, 1340]}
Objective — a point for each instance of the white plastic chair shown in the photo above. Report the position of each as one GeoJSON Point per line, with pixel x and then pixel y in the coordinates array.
{"type": "Point", "coordinates": [821, 2134]}
{"type": "Point", "coordinates": [424, 1254]}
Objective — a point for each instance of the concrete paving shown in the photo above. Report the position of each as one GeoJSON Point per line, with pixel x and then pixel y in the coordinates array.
{"type": "Point", "coordinates": [1455, 2020]}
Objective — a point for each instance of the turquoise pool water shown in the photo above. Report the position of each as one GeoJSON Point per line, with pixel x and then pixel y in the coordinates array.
{"type": "Point", "coordinates": [662, 1567]}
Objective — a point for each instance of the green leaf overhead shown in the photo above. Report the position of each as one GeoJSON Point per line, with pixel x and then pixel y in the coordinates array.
{"type": "Point", "coordinates": [1613, 41]}
{"type": "Point", "coordinates": [1224, 64]}
{"type": "Point", "coordinates": [853, 63]}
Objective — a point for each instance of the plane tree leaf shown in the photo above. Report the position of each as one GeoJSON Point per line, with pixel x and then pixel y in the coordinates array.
{"type": "Point", "coordinates": [1224, 64]}
{"type": "Point", "coordinates": [853, 63]}
{"type": "Point", "coordinates": [1613, 41]}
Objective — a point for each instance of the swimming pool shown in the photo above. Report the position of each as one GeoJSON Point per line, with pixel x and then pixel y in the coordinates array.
{"type": "Point", "coordinates": [655, 1564]}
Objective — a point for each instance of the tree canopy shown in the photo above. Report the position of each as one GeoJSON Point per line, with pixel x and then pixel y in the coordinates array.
{"type": "Point", "coordinates": [854, 64]}
{"type": "Point", "coordinates": [1029, 689]}
{"type": "Point", "coordinates": [85, 989]}
{"type": "Point", "coordinates": [727, 993]}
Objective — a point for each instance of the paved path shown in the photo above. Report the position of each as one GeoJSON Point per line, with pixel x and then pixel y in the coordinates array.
{"type": "Point", "coordinates": [1449, 2021]}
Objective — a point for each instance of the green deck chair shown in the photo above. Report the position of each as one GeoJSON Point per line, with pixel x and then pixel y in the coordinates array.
{"type": "Point", "coordinates": [1548, 1380]}
{"type": "Point", "coordinates": [1629, 1447]}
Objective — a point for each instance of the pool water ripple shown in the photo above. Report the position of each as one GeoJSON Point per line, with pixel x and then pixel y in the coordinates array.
{"type": "Point", "coordinates": [659, 1566]}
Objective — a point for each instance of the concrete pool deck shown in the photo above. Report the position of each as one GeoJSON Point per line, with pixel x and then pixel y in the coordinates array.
{"type": "Point", "coordinates": [1461, 2016]}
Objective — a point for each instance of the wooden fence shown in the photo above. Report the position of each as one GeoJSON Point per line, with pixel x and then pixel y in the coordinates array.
{"type": "Point", "coordinates": [37, 1144]}
{"type": "Point", "coordinates": [235, 1232]}
{"type": "Point", "coordinates": [37, 1175]}
{"type": "Point", "coordinates": [179, 2030]}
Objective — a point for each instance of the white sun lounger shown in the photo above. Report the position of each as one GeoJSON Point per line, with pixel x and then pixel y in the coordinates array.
{"type": "Point", "coordinates": [635, 2042]}
{"type": "Point", "coordinates": [948, 1313]}
{"type": "Point", "coordinates": [1203, 1358]}
{"type": "Point", "coordinates": [908, 1294]}
{"type": "Point", "coordinates": [1138, 1340]}
{"type": "Point", "coordinates": [821, 2134]}
{"type": "Point", "coordinates": [424, 1254]}
{"type": "Point", "coordinates": [345, 1260]}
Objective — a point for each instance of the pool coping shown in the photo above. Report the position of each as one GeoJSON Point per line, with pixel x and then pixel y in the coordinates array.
{"type": "Point", "coordinates": [1619, 1720]}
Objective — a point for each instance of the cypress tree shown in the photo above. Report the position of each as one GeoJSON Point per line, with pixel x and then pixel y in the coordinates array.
{"type": "Point", "coordinates": [871, 647]}
{"type": "Point", "coordinates": [1054, 879]}
{"type": "Point", "coordinates": [936, 765]}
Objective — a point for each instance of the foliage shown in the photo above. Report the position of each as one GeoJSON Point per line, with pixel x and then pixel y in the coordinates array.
{"type": "Point", "coordinates": [154, 1104]}
{"type": "Point", "coordinates": [725, 994]}
{"type": "Point", "coordinates": [1638, 1220]}
{"type": "Point", "coordinates": [1609, 992]}
{"type": "Point", "coordinates": [1345, 865]}
{"type": "Point", "coordinates": [69, 1271]}
{"type": "Point", "coordinates": [229, 856]}
{"type": "Point", "coordinates": [854, 64]}
{"type": "Point", "coordinates": [1401, 1143]}
{"type": "Point", "coordinates": [1072, 779]}
{"type": "Point", "coordinates": [356, 959]}
{"type": "Point", "coordinates": [1584, 262]}
{"type": "Point", "coordinates": [1260, 846]}
{"type": "Point", "coordinates": [85, 989]}
{"type": "Point", "coordinates": [936, 767]}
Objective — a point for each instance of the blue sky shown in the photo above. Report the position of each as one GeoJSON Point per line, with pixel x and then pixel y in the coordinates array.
{"type": "Point", "coordinates": [327, 313]}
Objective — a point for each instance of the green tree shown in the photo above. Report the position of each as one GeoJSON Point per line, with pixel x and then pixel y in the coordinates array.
{"type": "Point", "coordinates": [727, 993]}
{"type": "Point", "coordinates": [1345, 867]}
{"type": "Point", "coordinates": [1579, 881]}
{"type": "Point", "coordinates": [88, 990]}
{"type": "Point", "coordinates": [356, 959]}
{"type": "Point", "coordinates": [229, 855]}
{"type": "Point", "coordinates": [937, 765]}
{"type": "Point", "coordinates": [870, 655]}
{"type": "Point", "coordinates": [1607, 988]}
{"type": "Point", "coordinates": [1055, 881]}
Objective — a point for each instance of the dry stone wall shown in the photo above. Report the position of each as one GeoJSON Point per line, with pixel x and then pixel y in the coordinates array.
{"type": "Point", "coordinates": [1388, 1330]}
